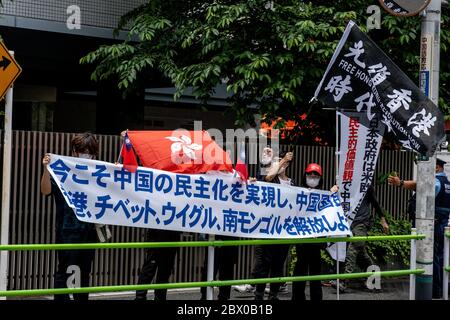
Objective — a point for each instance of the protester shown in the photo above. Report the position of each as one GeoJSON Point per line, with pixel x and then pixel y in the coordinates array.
{"type": "Point", "coordinates": [68, 228]}
{"type": "Point", "coordinates": [224, 260]}
{"type": "Point", "coordinates": [393, 179]}
{"type": "Point", "coordinates": [441, 219]}
{"type": "Point", "coordinates": [270, 259]}
{"type": "Point", "coordinates": [308, 254]}
{"type": "Point", "coordinates": [361, 224]}
{"type": "Point", "coordinates": [158, 261]}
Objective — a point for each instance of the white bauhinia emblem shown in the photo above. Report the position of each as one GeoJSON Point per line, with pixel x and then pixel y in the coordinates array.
{"type": "Point", "coordinates": [184, 143]}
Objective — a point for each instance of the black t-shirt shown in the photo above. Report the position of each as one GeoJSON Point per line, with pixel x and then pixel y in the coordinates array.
{"type": "Point", "coordinates": [67, 225]}
{"type": "Point", "coordinates": [364, 214]}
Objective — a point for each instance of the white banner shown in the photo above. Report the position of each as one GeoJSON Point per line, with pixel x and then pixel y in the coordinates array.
{"type": "Point", "coordinates": [216, 203]}
{"type": "Point", "coordinates": [358, 153]}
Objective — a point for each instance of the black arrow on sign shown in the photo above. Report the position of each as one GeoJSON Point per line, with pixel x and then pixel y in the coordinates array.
{"type": "Point", "coordinates": [4, 63]}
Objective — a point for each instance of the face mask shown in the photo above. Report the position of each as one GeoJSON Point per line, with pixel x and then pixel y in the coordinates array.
{"type": "Point", "coordinates": [85, 156]}
{"type": "Point", "coordinates": [312, 182]}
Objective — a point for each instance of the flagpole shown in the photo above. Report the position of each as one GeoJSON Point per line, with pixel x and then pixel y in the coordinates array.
{"type": "Point", "coordinates": [337, 179]}
{"type": "Point", "coordinates": [121, 147]}
{"type": "Point", "coordinates": [120, 153]}
{"type": "Point", "coordinates": [210, 269]}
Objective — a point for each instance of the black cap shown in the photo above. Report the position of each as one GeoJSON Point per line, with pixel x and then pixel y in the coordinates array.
{"type": "Point", "coordinates": [440, 162]}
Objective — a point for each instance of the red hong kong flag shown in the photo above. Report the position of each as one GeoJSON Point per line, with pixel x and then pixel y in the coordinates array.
{"type": "Point", "coordinates": [128, 156]}
{"type": "Point", "coordinates": [179, 151]}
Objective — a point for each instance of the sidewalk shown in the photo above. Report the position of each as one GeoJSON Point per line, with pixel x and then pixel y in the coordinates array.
{"type": "Point", "coordinates": [391, 289]}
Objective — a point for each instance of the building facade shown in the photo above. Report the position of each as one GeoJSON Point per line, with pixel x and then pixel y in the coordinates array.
{"type": "Point", "coordinates": [55, 93]}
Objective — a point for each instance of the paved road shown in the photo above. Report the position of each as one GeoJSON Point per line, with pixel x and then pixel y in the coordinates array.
{"type": "Point", "coordinates": [392, 289]}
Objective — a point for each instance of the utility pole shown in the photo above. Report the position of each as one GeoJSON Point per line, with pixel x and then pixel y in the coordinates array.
{"type": "Point", "coordinates": [6, 189]}
{"type": "Point", "coordinates": [426, 167]}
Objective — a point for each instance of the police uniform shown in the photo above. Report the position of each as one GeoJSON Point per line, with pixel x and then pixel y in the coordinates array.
{"type": "Point", "coordinates": [441, 216]}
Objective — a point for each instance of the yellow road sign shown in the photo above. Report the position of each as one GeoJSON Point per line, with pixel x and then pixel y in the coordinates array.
{"type": "Point", "coordinates": [9, 70]}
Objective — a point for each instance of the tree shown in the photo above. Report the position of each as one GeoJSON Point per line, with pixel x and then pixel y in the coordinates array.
{"type": "Point", "coordinates": [271, 54]}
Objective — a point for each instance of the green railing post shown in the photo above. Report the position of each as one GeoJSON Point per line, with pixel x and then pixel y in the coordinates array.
{"type": "Point", "coordinates": [210, 270]}
{"type": "Point", "coordinates": [413, 265]}
{"type": "Point", "coordinates": [338, 281]}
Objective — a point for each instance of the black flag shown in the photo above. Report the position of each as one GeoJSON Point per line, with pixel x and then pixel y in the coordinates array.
{"type": "Point", "coordinates": [361, 76]}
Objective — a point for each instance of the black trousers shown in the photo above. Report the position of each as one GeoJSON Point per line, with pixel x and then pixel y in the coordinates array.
{"type": "Point", "coordinates": [224, 260]}
{"type": "Point", "coordinates": [308, 263]}
{"type": "Point", "coordinates": [441, 220]}
{"type": "Point", "coordinates": [269, 261]}
{"type": "Point", "coordinates": [70, 261]}
{"type": "Point", "coordinates": [159, 261]}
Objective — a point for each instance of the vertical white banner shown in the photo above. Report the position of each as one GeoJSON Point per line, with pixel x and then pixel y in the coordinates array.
{"type": "Point", "coordinates": [359, 147]}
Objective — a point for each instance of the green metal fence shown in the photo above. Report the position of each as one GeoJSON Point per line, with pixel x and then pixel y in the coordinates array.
{"type": "Point", "coordinates": [211, 244]}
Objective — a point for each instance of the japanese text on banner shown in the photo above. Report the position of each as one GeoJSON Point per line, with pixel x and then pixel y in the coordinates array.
{"type": "Point", "coordinates": [216, 203]}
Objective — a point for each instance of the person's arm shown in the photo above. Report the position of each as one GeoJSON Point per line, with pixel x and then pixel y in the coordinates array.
{"type": "Point", "coordinates": [46, 185]}
{"type": "Point", "coordinates": [437, 187]}
{"type": "Point", "coordinates": [273, 171]}
{"type": "Point", "coordinates": [379, 211]}
{"type": "Point", "coordinates": [406, 184]}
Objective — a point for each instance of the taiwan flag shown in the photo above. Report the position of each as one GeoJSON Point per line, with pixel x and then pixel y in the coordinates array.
{"type": "Point", "coordinates": [180, 151]}
{"type": "Point", "coordinates": [128, 156]}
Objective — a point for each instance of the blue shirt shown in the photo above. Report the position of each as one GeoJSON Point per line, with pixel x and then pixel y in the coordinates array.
{"type": "Point", "coordinates": [437, 184]}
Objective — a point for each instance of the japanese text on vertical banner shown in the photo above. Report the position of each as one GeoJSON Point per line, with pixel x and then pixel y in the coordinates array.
{"type": "Point", "coordinates": [359, 148]}
{"type": "Point", "coordinates": [216, 203]}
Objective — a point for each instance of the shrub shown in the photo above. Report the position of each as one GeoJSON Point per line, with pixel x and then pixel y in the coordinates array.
{"type": "Point", "coordinates": [386, 251]}
{"type": "Point", "coordinates": [381, 252]}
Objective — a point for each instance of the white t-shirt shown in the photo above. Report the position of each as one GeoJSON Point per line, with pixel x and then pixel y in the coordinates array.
{"type": "Point", "coordinates": [286, 182]}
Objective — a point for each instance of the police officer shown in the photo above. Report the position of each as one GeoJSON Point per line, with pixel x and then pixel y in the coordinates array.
{"type": "Point", "coordinates": [441, 216]}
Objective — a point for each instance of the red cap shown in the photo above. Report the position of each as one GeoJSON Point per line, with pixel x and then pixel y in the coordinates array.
{"type": "Point", "coordinates": [314, 167]}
